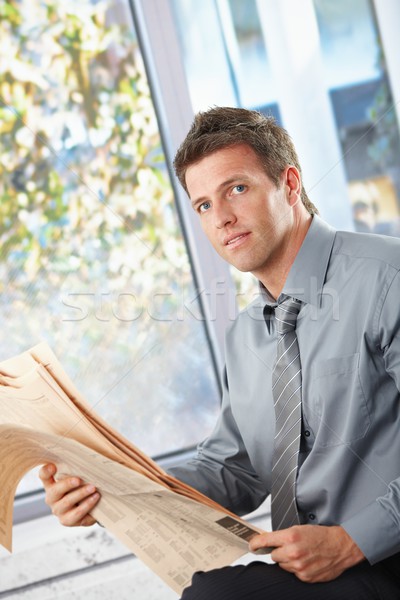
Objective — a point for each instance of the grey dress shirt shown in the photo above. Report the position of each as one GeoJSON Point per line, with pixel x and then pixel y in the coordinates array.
{"type": "Point", "coordinates": [349, 339]}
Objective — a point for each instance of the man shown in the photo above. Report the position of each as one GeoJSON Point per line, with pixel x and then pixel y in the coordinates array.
{"type": "Point", "coordinates": [310, 411]}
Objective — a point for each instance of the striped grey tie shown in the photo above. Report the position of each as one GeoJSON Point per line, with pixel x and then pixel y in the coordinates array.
{"type": "Point", "coordinates": [286, 390]}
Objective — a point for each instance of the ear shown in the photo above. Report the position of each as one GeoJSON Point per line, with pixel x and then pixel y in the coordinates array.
{"type": "Point", "coordinates": [293, 184]}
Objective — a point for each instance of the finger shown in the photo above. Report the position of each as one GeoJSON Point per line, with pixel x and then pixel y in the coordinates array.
{"type": "Point", "coordinates": [46, 473]}
{"type": "Point", "coordinates": [263, 540]}
{"type": "Point", "coordinates": [68, 501]}
{"type": "Point", "coordinates": [79, 515]}
{"type": "Point", "coordinates": [58, 489]}
{"type": "Point", "coordinates": [279, 555]}
{"type": "Point", "coordinates": [287, 566]}
{"type": "Point", "coordinates": [87, 521]}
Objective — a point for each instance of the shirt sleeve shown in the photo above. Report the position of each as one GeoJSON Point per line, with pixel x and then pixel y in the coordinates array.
{"type": "Point", "coordinates": [222, 469]}
{"type": "Point", "coordinates": [376, 528]}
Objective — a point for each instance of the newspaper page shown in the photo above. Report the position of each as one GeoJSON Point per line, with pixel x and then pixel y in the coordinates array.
{"type": "Point", "coordinates": [40, 389]}
{"type": "Point", "coordinates": [173, 535]}
{"type": "Point", "coordinates": [173, 528]}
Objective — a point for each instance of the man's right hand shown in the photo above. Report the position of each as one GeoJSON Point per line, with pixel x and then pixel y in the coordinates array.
{"type": "Point", "coordinates": [69, 499]}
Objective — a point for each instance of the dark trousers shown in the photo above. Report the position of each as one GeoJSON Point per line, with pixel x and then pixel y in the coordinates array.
{"type": "Point", "coordinates": [261, 581]}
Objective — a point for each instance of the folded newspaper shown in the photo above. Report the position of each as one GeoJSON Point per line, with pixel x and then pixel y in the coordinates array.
{"type": "Point", "coordinates": [171, 527]}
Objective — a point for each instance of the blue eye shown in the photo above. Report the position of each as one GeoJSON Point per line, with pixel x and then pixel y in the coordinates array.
{"type": "Point", "coordinates": [239, 188]}
{"type": "Point", "coordinates": [204, 207]}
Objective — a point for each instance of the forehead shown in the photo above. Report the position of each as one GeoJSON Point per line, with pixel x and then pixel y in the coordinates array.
{"type": "Point", "coordinates": [223, 164]}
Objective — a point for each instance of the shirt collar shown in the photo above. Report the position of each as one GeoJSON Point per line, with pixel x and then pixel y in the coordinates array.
{"type": "Point", "coordinates": [307, 275]}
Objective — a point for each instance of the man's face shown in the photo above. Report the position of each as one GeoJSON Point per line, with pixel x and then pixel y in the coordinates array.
{"type": "Point", "coordinates": [245, 216]}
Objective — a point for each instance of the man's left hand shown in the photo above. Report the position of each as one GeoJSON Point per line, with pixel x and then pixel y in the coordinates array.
{"type": "Point", "coordinates": [314, 553]}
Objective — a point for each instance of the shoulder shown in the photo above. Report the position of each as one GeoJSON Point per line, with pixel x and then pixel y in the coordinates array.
{"type": "Point", "coordinates": [380, 250]}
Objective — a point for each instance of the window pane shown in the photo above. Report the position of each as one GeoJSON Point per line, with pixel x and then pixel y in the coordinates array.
{"type": "Point", "coordinates": [227, 71]}
{"type": "Point", "coordinates": [195, 35]}
{"type": "Point", "coordinates": [92, 257]}
{"type": "Point", "coordinates": [363, 106]}
{"type": "Point", "coordinates": [248, 42]}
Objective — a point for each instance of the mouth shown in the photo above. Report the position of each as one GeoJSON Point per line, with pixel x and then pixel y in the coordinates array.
{"type": "Point", "coordinates": [237, 240]}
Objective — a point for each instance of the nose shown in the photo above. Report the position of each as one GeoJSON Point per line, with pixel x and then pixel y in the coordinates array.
{"type": "Point", "coordinates": [223, 215]}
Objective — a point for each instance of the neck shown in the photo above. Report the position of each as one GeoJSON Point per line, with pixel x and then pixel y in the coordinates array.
{"type": "Point", "coordinates": [275, 275]}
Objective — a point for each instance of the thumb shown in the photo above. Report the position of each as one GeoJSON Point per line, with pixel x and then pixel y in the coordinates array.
{"type": "Point", "coordinates": [46, 473]}
{"type": "Point", "coordinates": [262, 543]}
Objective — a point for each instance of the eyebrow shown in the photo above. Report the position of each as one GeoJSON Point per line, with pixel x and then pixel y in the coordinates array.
{"type": "Point", "coordinates": [222, 185]}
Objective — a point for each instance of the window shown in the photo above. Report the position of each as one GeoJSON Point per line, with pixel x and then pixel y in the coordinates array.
{"type": "Point", "coordinates": [92, 256]}
{"type": "Point", "coordinates": [355, 74]}
{"type": "Point", "coordinates": [319, 68]}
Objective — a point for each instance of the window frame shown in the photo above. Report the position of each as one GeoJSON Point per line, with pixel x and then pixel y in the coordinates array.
{"type": "Point", "coordinates": [159, 43]}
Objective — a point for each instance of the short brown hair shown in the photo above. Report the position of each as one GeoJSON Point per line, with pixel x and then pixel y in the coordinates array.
{"type": "Point", "coordinates": [221, 127]}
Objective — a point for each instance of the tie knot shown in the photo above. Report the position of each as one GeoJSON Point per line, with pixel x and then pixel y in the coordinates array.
{"type": "Point", "coordinates": [286, 315]}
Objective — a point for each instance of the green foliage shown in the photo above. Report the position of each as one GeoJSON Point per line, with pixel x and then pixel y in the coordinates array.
{"type": "Point", "coordinates": [83, 183]}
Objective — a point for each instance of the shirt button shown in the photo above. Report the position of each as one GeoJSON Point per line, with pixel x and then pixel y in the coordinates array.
{"type": "Point", "coordinates": [311, 516]}
{"type": "Point", "coordinates": [307, 433]}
